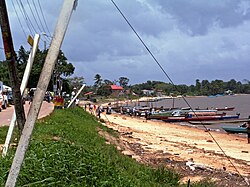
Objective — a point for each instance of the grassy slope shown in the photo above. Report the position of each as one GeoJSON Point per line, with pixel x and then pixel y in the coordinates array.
{"type": "Point", "coordinates": [66, 150]}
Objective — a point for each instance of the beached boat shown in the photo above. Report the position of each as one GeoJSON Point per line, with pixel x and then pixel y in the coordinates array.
{"type": "Point", "coordinates": [198, 118]}
{"type": "Point", "coordinates": [235, 129]}
{"type": "Point", "coordinates": [210, 122]}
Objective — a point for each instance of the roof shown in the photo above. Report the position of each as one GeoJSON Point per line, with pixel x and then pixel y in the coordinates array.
{"type": "Point", "coordinates": [115, 87]}
{"type": "Point", "coordinates": [88, 93]}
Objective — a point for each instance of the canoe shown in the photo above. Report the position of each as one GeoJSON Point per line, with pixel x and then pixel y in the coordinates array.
{"type": "Point", "coordinates": [210, 122]}
{"type": "Point", "coordinates": [199, 118]}
{"type": "Point", "coordinates": [235, 129]}
{"type": "Point", "coordinates": [225, 108]}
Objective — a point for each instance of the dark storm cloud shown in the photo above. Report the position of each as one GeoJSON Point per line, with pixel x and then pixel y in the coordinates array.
{"type": "Point", "coordinates": [194, 39]}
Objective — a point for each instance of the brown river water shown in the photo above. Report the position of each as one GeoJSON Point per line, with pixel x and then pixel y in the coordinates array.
{"type": "Point", "coordinates": [240, 102]}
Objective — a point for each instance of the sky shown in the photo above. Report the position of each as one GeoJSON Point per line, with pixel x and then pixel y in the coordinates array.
{"type": "Point", "coordinates": [191, 39]}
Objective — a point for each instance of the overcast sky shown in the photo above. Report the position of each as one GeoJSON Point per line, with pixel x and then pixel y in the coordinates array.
{"type": "Point", "coordinates": [191, 39]}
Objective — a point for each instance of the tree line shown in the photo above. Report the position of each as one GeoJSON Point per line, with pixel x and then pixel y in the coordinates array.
{"type": "Point", "coordinates": [63, 70]}
{"type": "Point", "coordinates": [156, 88]}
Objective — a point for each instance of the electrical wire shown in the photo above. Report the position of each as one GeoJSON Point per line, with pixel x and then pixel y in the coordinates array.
{"type": "Point", "coordinates": [44, 18]}
{"type": "Point", "coordinates": [27, 23]}
{"type": "Point", "coordinates": [39, 18]}
{"type": "Point", "coordinates": [21, 25]}
{"type": "Point", "coordinates": [160, 66]}
{"type": "Point", "coordinates": [27, 17]}
{"type": "Point", "coordinates": [33, 15]}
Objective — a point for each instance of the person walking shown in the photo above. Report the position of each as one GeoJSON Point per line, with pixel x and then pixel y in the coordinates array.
{"type": "Point", "coordinates": [248, 131]}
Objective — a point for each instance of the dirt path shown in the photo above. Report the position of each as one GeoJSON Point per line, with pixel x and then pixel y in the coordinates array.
{"type": "Point", "coordinates": [173, 145]}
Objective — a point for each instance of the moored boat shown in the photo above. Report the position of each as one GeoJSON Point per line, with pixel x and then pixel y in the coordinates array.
{"type": "Point", "coordinates": [198, 118]}
{"type": "Point", "coordinates": [225, 109]}
{"type": "Point", "coordinates": [235, 129]}
{"type": "Point", "coordinates": [210, 122]}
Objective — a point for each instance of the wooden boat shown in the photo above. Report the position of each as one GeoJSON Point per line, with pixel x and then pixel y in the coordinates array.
{"type": "Point", "coordinates": [235, 129]}
{"type": "Point", "coordinates": [198, 118]}
{"type": "Point", "coordinates": [225, 109]}
{"type": "Point", "coordinates": [210, 122]}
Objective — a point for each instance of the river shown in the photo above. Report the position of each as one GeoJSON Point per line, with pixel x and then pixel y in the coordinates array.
{"type": "Point", "coordinates": [240, 102]}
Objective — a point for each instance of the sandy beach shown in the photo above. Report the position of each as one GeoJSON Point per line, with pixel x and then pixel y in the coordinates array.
{"type": "Point", "coordinates": [193, 152]}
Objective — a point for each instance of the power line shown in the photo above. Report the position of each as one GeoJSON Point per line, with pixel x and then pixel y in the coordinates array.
{"type": "Point", "coordinates": [25, 34]}
{"type": "Point", "coordinates": [39, 28]}
{"type": "Point", "coordinates": [39, 17]}
{"type": "Point", "coordinates": [34, 16]}
{"type": "Point", "coordinates": [160, 66]}
{"type": "Point", "coordinates": [27, 23]}
{"type": "Point", "coordinates": [43, 17]}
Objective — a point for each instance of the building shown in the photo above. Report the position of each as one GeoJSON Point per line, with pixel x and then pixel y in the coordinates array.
{"type": "Point", "coordinates": [116, 90]}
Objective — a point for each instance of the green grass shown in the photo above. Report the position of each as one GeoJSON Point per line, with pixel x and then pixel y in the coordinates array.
{"type": "Point", "coordinates": [66, 150]}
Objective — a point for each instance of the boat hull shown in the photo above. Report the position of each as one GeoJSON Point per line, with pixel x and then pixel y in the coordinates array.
{"type": "Point", "coordinates": [235, 129]}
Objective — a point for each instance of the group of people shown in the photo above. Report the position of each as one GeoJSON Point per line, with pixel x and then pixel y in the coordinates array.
{"type": "Point", "coordinates": [97, 110]}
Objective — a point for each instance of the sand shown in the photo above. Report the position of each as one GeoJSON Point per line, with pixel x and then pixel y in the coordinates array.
{"type": "Point", "coordinates": [159, 142]}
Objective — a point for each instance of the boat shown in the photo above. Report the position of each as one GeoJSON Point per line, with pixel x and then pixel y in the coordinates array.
{"type": "Point", "coordinates": [225, 109]}
{"type": "Point", "coordinates": [198, 118]}
{"type": "Point", "coordinates": [209, 122]}
{"type": "Point", "coordinates": [234, 129]}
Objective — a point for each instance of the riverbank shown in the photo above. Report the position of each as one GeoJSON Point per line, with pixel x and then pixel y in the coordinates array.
{"type": "Point", "coordinates": [67, 149]}
{"type": "Point", "coordinates": [179, 146]}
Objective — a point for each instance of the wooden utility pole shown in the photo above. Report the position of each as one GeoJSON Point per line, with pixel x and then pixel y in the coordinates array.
{"type": "Point", "coordinates": [42, 86]}
{"type": "Point", "coordinates": [11, 59]}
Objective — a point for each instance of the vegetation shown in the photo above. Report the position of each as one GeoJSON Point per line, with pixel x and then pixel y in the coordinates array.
{"type": "Point", "coordinates": [158, 88]}
{"type": "Point", "coordinates": [62, 69]}
{"type": "Point", "coordinates": [200, 88]}
{"type": "Point", "coordinates": [66, 150]}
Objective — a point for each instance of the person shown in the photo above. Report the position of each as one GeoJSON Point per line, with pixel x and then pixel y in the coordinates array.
{"type": "Point", "coordinates": [1, 100]}
{"type": "Point", "coordinates": [77, 102]}
{"type": "Point", "coordinates": [98, 112]}
{"type": "Point", "coordinates": [146, 115]}
{"type": "Point", "coordinates": [31, 95]}
{"type": "Point", "coordinates": [73, 93]}
{"type": "Point", "coordinates": [47, 96]}
{"type": "Point", "coordinates": [244, 124]}
{"type": "Point", "coordinates": [91, 108]}
{"type": "Point", "coordinates": [248, 131]}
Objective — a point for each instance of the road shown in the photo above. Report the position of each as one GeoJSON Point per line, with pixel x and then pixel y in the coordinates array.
{"type": "Point", "coordinates": [6, 115]}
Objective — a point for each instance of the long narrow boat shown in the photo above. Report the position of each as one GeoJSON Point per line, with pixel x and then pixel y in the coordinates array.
{"type": "Point", "coordinates": [239, 120]}
{"type": "Point", "coordinates": [199, 118]}
{"type": "Point", "coordinates": [235, 129]}
{"type": "Point", "coordinates": [225, 108]}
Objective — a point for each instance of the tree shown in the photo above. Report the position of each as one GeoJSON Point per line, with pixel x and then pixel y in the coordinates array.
{"type": "Point", "coordinates": [62, 67]}
{"type": "Point", "coordinates": [108, 82]}
{"type": "Point", "coordinates": [123, 81]}
{"type": "Point", "coordinates": [98, 81]}
{"type": "Point", "coordinates": [104, 90]}
{"type": "Point", "coordinates": [198, 85]}
{"type": "Point", "coordinates": [76, 82]}
{"type": "Point", "coordinates": [4, 73]}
